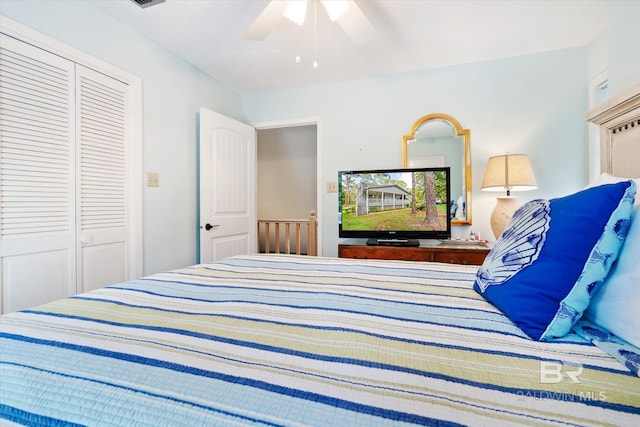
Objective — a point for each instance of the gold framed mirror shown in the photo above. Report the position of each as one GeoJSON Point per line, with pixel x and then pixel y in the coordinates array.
{"type": "Point", "coordinates": [438, 140]}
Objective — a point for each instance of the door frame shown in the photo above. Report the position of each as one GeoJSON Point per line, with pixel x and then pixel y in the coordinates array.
{"type": "Point", "coordinates": [305, 121]}
{"type": "Point", "coordinates": [134, 155]}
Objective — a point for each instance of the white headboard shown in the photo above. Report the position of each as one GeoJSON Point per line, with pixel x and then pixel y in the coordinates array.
{"type": "Point", "coordinates": [619, 121]}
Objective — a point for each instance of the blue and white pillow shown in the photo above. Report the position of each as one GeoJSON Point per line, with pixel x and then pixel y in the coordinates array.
{"type": "Point", "coordinates": [623, 351]}
{"type": "Point", "coordinates": [616, 306]}
{"type": "Point", "coordinates": [554, 255]}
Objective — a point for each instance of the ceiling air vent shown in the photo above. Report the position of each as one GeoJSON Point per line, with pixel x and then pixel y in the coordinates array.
{"type": "Point", "coordinates": [147, 3]}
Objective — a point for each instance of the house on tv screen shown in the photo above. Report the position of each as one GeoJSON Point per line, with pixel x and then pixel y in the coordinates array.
{"type": "Point", "coordinates": [376, 198]}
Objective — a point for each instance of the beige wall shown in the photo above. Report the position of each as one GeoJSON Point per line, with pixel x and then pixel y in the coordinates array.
{"type": "Point", "coordinates": [286, 172]}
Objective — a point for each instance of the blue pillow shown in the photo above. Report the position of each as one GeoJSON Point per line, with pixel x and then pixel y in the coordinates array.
{"type": "Point", "coordinates": [553, 255]}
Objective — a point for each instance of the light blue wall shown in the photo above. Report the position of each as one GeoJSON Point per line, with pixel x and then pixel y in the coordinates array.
{"type": "Point", "coordinates": [616, 50]}
{"type": "Point", "coordinates": [598, 55]}
{"type": "Point", "coordinates": [173, 92]}
{"type": "Point", "coordinates": [534, 104]}
{"type": "Point", "coordinates": [624, 45]}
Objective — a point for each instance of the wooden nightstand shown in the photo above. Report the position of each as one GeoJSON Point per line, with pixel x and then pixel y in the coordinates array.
{"type": "Point", "coordinates": [449, 253]}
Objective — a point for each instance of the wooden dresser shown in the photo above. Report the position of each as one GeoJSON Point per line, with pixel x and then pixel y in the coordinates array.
{"type": "Point", "coordinates": [450, 253]}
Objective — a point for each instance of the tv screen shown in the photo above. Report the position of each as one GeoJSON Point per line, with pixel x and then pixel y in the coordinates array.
{"type": "Point", "coordinates": [395, 206]}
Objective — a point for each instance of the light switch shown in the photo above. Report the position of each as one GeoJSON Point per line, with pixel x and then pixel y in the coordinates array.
{"type": "Point", "coordinates": [332, 187]}
{"type": "Point", "coordinates": [153, 179]}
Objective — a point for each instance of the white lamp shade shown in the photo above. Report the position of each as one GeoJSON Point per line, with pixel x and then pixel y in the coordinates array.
{"type": "Point", "coordinates": [509, 172]}
{"type": "Point", "coordinates": [296, 11]}
{"type": "Point", "coordinates": [335, 8]}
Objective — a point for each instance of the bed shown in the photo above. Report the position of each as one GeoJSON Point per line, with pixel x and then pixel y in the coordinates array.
{"type": "Point", "coordinates": [286, 340]}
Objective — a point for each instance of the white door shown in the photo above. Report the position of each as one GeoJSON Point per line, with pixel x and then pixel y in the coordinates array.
{"type": "Point", "coordinates": [37, 156]}
{"type": "Point", "coordinates": [228, 222]}
{"type": "Point", "coordinates": [102, 179]}
{"type": "Point", "coordinates": [66, 177]}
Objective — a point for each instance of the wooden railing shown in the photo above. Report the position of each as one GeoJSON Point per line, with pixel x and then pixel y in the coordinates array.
{"type": "Point", "coordinates": [288, 234]}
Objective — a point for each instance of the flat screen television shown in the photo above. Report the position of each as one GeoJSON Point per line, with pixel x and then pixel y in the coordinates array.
{"type": "Point", "coordinates": [395, 206]}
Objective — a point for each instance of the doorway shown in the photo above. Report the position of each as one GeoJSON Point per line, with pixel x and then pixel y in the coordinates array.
{"type": "Point", "coordinates": [287, 172]}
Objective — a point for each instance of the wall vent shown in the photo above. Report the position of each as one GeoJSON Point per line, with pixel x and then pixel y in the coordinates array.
{"type": "Point", "coordinates": [147, 3]}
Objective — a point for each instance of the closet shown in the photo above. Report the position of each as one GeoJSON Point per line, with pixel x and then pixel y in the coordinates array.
{"type": "Point", "coordinates": [67, 221]}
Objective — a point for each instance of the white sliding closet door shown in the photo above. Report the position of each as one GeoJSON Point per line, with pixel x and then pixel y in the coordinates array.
{"type": "Point", "coordinates": [102, 184]}
{"type": "Point", "coordinates": [37, 158]}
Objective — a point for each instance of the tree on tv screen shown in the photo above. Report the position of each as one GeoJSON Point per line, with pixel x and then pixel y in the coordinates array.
{"type": "Point", "coordinates": [430, 201]}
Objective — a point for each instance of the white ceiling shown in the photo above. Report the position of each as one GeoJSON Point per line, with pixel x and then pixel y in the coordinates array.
{"type": "Point", "coordinates": [411, 35]}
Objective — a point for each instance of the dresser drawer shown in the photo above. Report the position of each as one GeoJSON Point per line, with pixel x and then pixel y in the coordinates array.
{"type": "Point", "coordinates": [460, 257]}
{"type": "Point", "coordinates": [383, 252]}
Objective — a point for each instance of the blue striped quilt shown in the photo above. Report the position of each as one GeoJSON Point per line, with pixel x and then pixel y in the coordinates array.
{"type": "Point", "coordinates": [268, 340]}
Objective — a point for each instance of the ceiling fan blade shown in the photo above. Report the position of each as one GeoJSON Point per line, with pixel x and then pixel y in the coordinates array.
{"type": "Point", "coordinates": [266, 21]}
{"type": "Point", "coordinates": [357, 26]}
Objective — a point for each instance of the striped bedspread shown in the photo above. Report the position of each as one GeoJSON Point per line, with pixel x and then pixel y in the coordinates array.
{"type": "Point", "coordinates": [299, 341]}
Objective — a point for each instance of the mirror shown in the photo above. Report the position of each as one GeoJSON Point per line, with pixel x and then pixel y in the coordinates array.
{"type": "Point", "coordinates": [439, 140]}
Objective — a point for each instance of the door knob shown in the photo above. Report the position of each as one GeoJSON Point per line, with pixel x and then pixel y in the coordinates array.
{"type": "Point", "coordinates": [209, 226]}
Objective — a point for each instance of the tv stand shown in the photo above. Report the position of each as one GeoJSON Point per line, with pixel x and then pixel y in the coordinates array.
{"type": "Point", "coordinates": [427, 251]}
{"type": "Point", "coordinates": [393, 242]}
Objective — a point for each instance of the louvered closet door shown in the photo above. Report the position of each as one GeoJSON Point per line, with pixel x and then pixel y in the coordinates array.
{"type": "Point", "coordinates": [37, 155]}
{"type": "Point", "coordinates": [102, 184]}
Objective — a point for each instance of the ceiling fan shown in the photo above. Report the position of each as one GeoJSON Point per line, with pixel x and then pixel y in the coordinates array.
{"type": "Point", "coordinates": [345, 12]}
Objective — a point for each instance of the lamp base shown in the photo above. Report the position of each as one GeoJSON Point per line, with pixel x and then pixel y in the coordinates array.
{"type": "Point", "coordinates": [502, 213]}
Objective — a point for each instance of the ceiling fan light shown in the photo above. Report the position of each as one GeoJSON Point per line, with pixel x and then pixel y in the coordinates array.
{"type": "Point", "coordinates": [335, 8]}
{"type": "Point", "coordinates": [296, 11]}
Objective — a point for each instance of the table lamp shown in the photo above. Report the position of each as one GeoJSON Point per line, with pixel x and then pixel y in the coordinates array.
{"type": "Point", "coordinates": [508, 172]}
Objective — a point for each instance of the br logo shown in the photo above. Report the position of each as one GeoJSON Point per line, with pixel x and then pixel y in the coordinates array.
{"type": "Point", "coordinates": [556, 372]}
